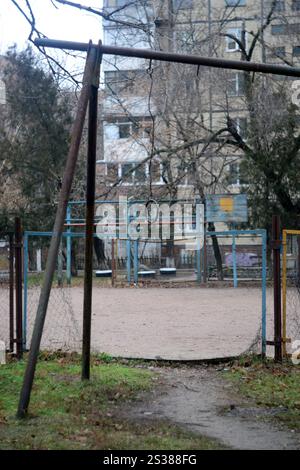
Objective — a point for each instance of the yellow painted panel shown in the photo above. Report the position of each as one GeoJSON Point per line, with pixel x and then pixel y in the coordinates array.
{"type": "Point", "coordinates": [227, 204]}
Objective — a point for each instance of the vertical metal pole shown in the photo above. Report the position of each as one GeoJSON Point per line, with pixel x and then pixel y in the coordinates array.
{"type": "Point", "coordinates": [60, 264]}
{"type": "Point", "coordinates": [57, 233]}
{"type": "Point", "coordinates": [198, 261]}
{"type": "Point", "coordinates": [18, 268]}
{"type": "Point", "coordinates": [128, 261]}
{"type": "Point", "coordinates": [284, 280]}
{"type": "Point", "coordinates": [235, 277]}
{"type": "Point", "coordinates": [205, 255]}
{"type": "Point", "coordinates": [25, 295]}
{"type": "Point", "coordinates": [198, 253]}
{"type": "Point", "coordinates": [112, 262]}
{"type": "Point", "coordinates": [116, 259]}
{"type": "Point", "coordinates": [69, 246]}
{"type": "Point", "coordinates": [264, 294]}
{"type": "Point", "coordinates": [277, 287]}
{"type": "Point", "coordinates": [11, 293]}
{"type": "Point", "coordinates": [136, 261]}
{"type": "Point", "coordinates": [89, 221]}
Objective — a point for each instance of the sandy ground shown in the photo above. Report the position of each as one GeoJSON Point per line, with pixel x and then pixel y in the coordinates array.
{"type": "Point", "coordinates": [181, 323]}
{"type": "Point", "coordinates": [201, 400]}
{"type": "Point", "coordinates": [168, 323]}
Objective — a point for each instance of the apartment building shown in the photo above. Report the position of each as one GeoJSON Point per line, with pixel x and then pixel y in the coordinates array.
{"type": "Point", "coordinates": [150, 108]}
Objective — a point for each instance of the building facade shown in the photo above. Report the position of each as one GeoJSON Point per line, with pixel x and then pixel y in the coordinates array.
{"type": "Point", "coordinates": [158, 118]}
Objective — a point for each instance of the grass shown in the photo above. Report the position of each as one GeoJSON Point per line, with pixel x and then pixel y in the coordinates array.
{"type": "Point", "coordinates": [66, 413]}
{"type": "Point", "coordinates": [270, 385]}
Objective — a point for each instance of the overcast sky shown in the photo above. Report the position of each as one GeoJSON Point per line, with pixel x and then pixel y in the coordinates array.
{"type": "Point", "coordinates": [62, 23]}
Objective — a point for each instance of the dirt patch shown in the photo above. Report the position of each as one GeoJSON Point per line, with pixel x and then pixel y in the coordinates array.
{"type": "Point", "coordinates": [200, 400]}
{"type": "Point", "coordinates": [175, 324]}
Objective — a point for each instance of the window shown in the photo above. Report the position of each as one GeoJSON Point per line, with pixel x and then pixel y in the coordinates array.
{"type": "Point", "coordinates": [112, 172]}
{"type": "Point", "coordinates": [236, 175]}
{"type": "Point", "coordinates": [278, 29]}
{"type": "Point", "coordinates": [140, 174]}
{"type": "Point", "coordinates": [292, 28]}
{"type": "Point", "coordinates": [231, 44]}
{"type": "Point", "coordinates": [182, 4]}
{"type": "Point", "coordinates": [155, 171]}
{"type": "Point", "coordinates": [235, 3]}
{"type": "Point", "coordinates": [127, 172]}
{"type": "Point", "coordinates": [124, 128]}
{"type": "Point", "coordinates": [236, 84]}
{"type": "Point", "coordinates": [296, 5]}
{"type": "Point", "coordinates": [296, 51]}
{"type": "Point", "coordinates": [121, 80]}
{"type": "Point", "coordinates": [116, 3]}
{"type": "Point", "coordinates": [279, 5]}
{"type": "Point", "coordinates": [279, 51]}
{"type": "Point", "coordinates": [241, 126]}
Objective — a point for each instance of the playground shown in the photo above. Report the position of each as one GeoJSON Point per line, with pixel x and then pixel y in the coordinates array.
{"type": "Point", "coordinates": [181, 324]}
{"type": "Point", "coordinates": [158, 323]}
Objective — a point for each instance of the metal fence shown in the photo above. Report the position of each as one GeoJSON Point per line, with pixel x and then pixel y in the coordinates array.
{"type": "Point", "coordinates": [290, 288]}
{"type": "Point", "coordinates": [62, 331]}
{"type": "Point", "coordinates": [6, 290]}
{"type": "Point", "coordinates": [243, 255]}
{"type": "Point", "coordinates": [11, 319]}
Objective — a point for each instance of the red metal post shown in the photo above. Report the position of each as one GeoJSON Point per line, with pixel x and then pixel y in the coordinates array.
{"type": "Point", "coordinates": [19, 282]}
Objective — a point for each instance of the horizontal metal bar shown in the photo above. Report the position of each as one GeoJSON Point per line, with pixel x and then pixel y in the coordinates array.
{"type": "Point", "coordinates": [142, 201]}
{"type": "Point", "coordinates": [173, 57]}
{"type": "Point", "coordinates": [291, 232]}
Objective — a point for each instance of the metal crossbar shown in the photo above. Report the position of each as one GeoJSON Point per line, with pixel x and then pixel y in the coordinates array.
{"type": "Point", "coordinates": [173, 57]}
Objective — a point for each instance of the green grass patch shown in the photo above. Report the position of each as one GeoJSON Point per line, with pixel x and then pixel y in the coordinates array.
{"type": "Point", "coordinates": [271, 386]}
{"type": "Point", "coordinates": [66, 413]}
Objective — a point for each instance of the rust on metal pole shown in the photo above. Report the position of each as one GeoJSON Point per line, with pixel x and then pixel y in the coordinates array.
{"type": "Point", "coordinates": [89, 219]}
{"type": "Point", "coordinates": [65, 191]}
{"type": "Point", "coordinates": [276, 246]}
{"type": "Point", "coordinates": [18, 283]}
{"type": "Point", "coordinates": [149, 54]}
{"type": "Point", "coordinates": [11, 293]}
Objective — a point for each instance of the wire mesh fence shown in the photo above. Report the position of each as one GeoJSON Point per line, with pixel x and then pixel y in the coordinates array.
{"type": "Point", "coordinates": [151, 322]}
{"type": "Point", "coordinates": [62, 329]}
{"type": "Point", "coordinates": [291, 286]}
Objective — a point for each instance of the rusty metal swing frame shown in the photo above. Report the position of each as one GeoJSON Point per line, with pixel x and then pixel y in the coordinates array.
{"type": "Point", "coordinates": [89, 95]}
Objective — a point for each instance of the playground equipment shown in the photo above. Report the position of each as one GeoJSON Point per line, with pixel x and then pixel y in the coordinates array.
{"type": "Point", "coordinates": [180, 216]}
{"type": "Point", "coordinates": [89, 94]}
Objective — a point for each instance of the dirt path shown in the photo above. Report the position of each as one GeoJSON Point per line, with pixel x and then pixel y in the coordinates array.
{"type": "Point", "coordinates": [200, 400]}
